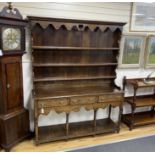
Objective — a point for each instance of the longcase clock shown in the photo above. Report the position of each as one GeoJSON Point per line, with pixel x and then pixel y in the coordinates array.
{"type": "Point", "coordinates": [14, 118]}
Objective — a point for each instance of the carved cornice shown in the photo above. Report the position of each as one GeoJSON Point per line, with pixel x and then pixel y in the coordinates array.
{"type": "Point", "coordinates": [75, 26]}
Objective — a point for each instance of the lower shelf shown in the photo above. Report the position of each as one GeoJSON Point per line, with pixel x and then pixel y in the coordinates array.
{"type": "Point", "coordinates": [78, 129]}
{"type": "Point", "coordinates": [140, 118]}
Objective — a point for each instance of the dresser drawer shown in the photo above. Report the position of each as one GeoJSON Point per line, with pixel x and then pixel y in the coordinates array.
{"type": "Point", "coordinates": [53, 102]}
{"type": "Point", "coordinates": [83, 100]}
{"type": "Point", "coordinates": [110, 98]}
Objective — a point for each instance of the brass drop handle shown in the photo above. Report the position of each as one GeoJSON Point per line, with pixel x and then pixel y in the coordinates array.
{"type": "Point", "coordinates": [42, 109]}
{"type": "Point", "coordinates": [8, 86]}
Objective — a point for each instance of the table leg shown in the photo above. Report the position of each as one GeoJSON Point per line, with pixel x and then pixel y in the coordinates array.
{"type": "Point", "coordinates": [94, 122]}
{"type": "Point", "coordinates": [132, 117]}
{"type": "Point", "coordinates": [119, 118]}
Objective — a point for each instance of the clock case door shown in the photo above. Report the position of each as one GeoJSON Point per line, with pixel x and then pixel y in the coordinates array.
{"type": "Point", "coordinates": [12, 84]}
{"type": "Point", "coordinates": [17, 24]}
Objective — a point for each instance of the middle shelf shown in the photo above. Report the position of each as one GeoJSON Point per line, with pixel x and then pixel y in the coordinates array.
{"type": "Point", "coordinates": [142, 101]}
{"type": "Point", "coordinates": [72, 78]}
{"type": "Point", "coordinates": [72, 64]}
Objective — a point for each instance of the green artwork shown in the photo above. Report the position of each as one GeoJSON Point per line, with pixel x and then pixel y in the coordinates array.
{"type": "Point", "coordinates": [131, 52]}
{"type": "Point", "coordinates": [151, 58]}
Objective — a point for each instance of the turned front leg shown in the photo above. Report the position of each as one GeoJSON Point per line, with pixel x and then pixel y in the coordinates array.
{"type": "Point", "coordinates": [67, 124]}
{"type": "Point", "coordinates": [109, 111]}
{"type": "Point", "coordinates": [94, 122]}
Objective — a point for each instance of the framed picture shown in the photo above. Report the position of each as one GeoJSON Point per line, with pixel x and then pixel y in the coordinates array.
{"type": "Point", "coordinates": [150, 52]}
{"type": "Point", "coordinates": [132, 51]}
{"type": "Point", "coordinates": [142, 17]}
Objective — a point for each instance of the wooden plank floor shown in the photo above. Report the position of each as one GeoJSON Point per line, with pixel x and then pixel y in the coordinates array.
{"type": "Point", "coordinates": [125, 134]}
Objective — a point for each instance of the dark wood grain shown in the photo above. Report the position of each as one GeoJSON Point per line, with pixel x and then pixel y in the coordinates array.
{"type": "Point", "coordinates": [14, 119]}
{"type": "Point", "coordinates": [71, 56]}
{"type": "Point", "coordinates": [14, 85]}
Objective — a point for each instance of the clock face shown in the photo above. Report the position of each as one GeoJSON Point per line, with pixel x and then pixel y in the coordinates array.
{"type": "Point", "coordinates": [11, 38]}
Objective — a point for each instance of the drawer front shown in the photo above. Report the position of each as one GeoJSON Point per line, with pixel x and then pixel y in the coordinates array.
{"type": "Point", "coordinates": [110, 98]}
{"type": "Point", "coordinates": [53, 102]}
{"type": "Point", "coordinates": [83, 100]}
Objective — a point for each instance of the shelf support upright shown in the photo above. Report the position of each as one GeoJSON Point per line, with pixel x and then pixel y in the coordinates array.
{"type": "Point", "coordinates": [36, 115]}
{"type": "Point", "coordinates": [109, 111]}
{"type": "Point", "coordinates": [67, 123]}
{"type": "Point", "coordinates": [94, 122]}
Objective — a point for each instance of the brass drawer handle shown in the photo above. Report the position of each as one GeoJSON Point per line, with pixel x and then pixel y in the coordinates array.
{"type": "Point", "coordinates": [42, 109]}
{"type": "Point", "coordinates": [8, 86]}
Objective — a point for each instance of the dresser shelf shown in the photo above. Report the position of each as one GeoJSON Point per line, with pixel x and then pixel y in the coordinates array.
{"type": "Point", "coordinates": [72, 64]}
{"type": "Point", "coordinates": [73, 48]}
{"type": "Point", "coordinates": [72, 78]}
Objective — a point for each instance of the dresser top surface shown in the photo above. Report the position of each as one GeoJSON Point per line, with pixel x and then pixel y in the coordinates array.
{"type": "Point", "coordinates": [73, 92]}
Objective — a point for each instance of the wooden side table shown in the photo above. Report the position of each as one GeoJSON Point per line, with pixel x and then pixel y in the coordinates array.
{"type": "Point", "coordinates": [141, 118]}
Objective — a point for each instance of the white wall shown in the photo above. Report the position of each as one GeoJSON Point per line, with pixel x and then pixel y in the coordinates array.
{"type": "Point", "coordinates": [102, 11]}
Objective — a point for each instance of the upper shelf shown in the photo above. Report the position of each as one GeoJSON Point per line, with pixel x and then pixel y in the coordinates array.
{"type": "Point", "coordinates": [73, 48]}
{"type": "Point", "coordinates": [72, 64]}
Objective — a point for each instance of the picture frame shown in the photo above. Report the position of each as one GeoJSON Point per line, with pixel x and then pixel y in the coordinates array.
{"type": "Point", "coordinates": [150, 52]}
{"type": "Point", "coordinates": [132, 50]}
{"type": "Point", "coordinates": [142, 17]}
